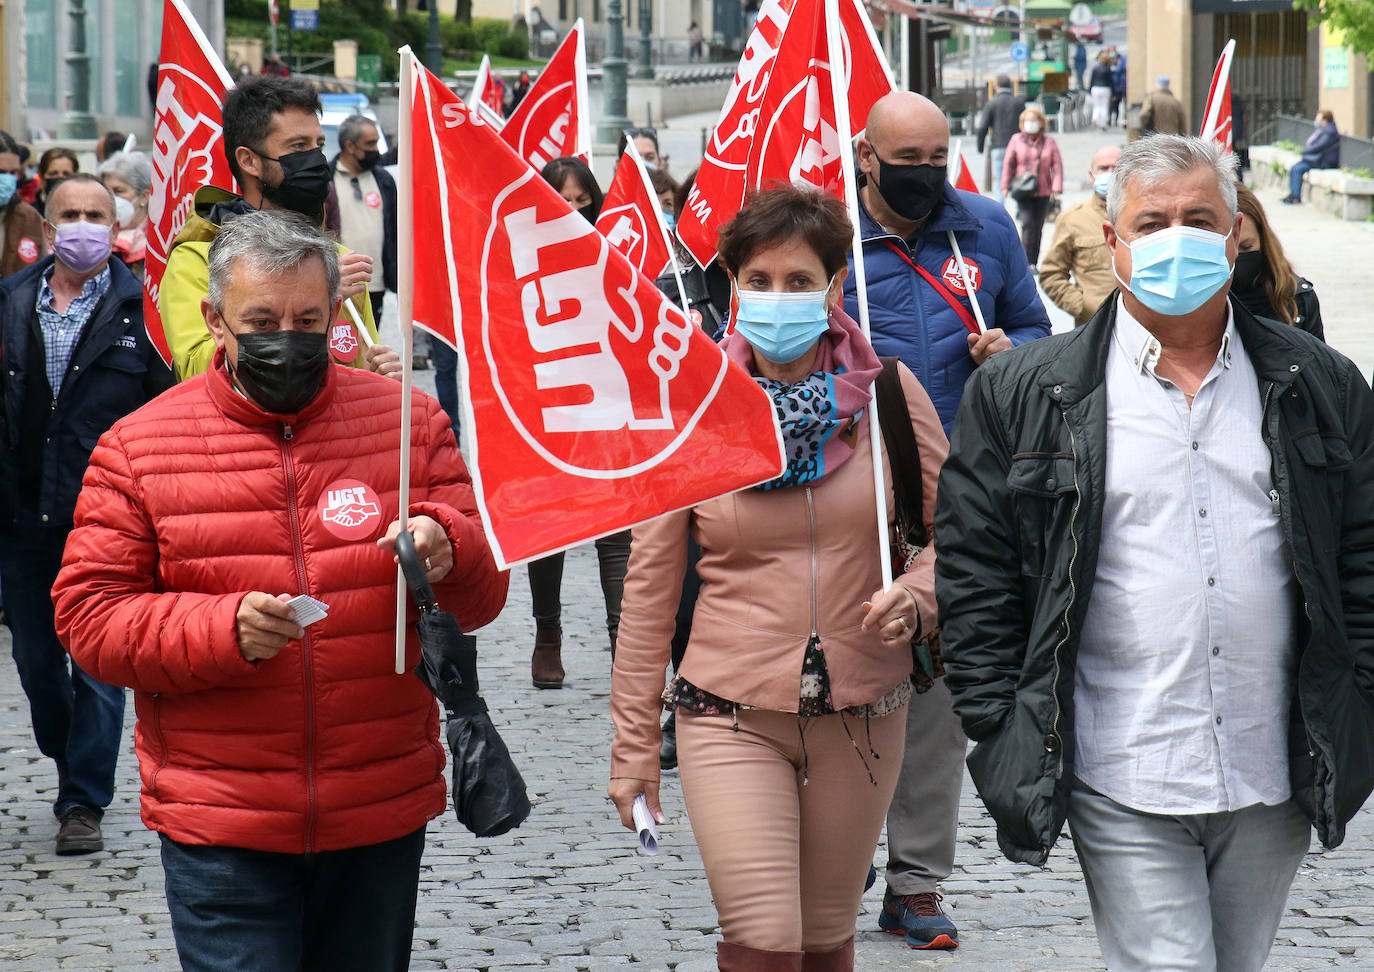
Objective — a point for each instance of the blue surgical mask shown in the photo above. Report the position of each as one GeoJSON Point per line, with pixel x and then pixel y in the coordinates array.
{"type": "Point", "coordinates": [781, 327]}
{"type": "Point", "coordinates": [1101, 183]}
{"type": "Point", "coordinates": [9, 182]}
{"type": "Point", "coordinates": [670, 219]}
{"type": "Point", "coordinates": [1176, 270]}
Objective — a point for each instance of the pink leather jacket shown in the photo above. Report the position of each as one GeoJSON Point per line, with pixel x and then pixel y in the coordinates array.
{"type": "Point", "coordinates": [775, 566]}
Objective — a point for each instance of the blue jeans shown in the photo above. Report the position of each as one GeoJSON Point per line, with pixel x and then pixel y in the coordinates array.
{"type": "Point", "coordinates": [1295, 178]}
{"type": "Point", "coordinates": [1202, 892]}
{"type": "Point", "coordinates": [77, 721]}
{"type": "Point", "coordinates": [236, 910]}
{"type": "Point", "coordinates": [445, 361]}
{"type": "Point", "coordinates": [998, 157]}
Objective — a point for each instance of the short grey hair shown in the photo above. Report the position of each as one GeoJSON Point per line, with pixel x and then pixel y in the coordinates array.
{"type": "Point", "coordinates": [135, 168]}
{"type": "Point", "coordinates": [1155, 159]}
{"type": "Point", "coordinates": [272, 241]}
{"type": "Point", "coordinates": [351, 128]}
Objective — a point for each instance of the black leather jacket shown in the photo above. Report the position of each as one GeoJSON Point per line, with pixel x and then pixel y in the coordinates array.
{"type": "Point", "coordinates": [1018, 521]}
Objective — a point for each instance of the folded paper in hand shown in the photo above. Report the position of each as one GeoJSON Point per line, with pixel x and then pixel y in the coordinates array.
{"type": "Point", "coordinates": [644, 825]}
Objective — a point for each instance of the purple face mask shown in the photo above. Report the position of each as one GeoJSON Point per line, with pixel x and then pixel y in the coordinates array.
{"type": "Point", "coordinates": [82, 246]}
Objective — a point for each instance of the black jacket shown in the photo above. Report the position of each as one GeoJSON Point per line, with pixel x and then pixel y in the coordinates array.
{"type": "Point", "coordinates": [114, 369]}
{"type": "Point", "coordinates": [387, 187]}
{"type": "Point", "coordinates": [1018, 522]}
{"type": "Point", "coordinates": [1001, 117]}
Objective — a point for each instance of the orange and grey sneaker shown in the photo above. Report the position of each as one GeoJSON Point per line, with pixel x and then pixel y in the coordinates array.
{"type": "Point", "coordinates": [920, 919]}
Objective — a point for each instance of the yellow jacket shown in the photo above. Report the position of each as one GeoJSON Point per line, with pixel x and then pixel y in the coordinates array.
{"type": "Point", "coordinates": [186, 281]}
{"type": "Point", "coordinates": [1076, 273]}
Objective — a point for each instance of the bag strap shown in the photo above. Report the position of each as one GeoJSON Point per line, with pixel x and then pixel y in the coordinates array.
{"type": "Point", "coordinates": [903, 453]}
{"type": "Point", "coordinates": [940, 289]}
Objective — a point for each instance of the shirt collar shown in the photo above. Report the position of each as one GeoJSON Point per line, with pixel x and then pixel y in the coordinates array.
{"type": "Point", "coordinates": [1142, 348]}
{"type": "Point", "coordinates": [94, 285]}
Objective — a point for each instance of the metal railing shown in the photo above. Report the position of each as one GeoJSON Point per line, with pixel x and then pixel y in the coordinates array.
{"type": "Point", "coordinates": [1356, 153]}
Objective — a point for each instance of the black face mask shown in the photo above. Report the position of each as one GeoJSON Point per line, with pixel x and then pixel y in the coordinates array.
{"type": "Point", "coordinates": [304, 185]}
{"type": "Point", "coordinates": [282, 371]}
{"type": "Point", "coordinates": [589, 213]}
{"type": "Point", "coordinates": [1250, 271]}
{"type": "Point", "coordinates": [912, 191]}
{"type": "Point", "coordinates": [369, 160]}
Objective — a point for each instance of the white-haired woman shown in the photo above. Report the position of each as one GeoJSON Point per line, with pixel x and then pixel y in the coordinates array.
{"type": "Point", "coordinates": [129, 175]}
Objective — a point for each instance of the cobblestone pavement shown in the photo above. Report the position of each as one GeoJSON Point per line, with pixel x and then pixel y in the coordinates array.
{"type": "Point", "coordinates": [569, 890]}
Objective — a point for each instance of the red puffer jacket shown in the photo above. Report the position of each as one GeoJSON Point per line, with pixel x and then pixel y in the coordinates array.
{"type": "Point", "coordinates": [197, 499]}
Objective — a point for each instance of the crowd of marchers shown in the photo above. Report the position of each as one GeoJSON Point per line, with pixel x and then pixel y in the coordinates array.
{"type": "Point", "coordinates": [1131, 562]}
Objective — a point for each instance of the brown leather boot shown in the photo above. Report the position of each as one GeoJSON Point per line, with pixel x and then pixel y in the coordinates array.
{"type": "Point", "coordinates": [837, 960]}
{"type": "Point", "coordinates": [546, 667]}
{"type": "Point", "coordinates": [741, 958]}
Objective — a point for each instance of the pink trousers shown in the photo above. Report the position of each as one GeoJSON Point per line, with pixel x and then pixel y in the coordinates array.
{"type": "Point", "coordinates": [787, 859]}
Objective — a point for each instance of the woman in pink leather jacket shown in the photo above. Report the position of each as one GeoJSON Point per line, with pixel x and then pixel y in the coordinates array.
{"type": "Point", "coordinates": [791, 700]}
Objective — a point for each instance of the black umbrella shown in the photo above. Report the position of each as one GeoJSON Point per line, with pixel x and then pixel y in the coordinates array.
{"type": "Point", "coordinates": [488, 791]}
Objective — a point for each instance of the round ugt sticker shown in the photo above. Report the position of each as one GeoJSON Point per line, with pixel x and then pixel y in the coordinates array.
{"type": "Point", "coordinates": [350, 509]}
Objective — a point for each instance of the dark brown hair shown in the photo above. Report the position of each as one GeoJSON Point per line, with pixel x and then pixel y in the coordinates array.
{"type": "Point", "coordinates": [557, 172]}
{"type": "Point", "coordinates": [57, 153]}
{"type": "Point", "coordinates": [780, 214]}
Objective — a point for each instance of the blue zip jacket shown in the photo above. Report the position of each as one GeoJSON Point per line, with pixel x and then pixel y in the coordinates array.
{"type": "Point", "coordinates": [910, 320]}
{"type": "Point", "coordinates": [114, 369]}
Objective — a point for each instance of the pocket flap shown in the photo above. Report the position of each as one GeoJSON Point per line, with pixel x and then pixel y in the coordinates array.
{"type": "Point", "coordinates": [1041, 474]}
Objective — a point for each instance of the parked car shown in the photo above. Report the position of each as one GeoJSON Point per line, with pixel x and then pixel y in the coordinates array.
{"type": "Point", "coordinates": [1089, 32]}
{"type": "Point", "coordinates": [337, 107]}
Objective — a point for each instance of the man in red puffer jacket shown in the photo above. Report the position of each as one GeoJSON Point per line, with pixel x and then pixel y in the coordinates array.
{"type": "Point", "coordinates": [289, 771]}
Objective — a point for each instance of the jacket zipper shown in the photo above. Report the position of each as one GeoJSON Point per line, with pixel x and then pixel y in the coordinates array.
{"type": "Point", "coordinates": [294, 513]}
{"type": "Point", "coordinates": [1073, 596]}
{"type": "Point", "coordinates": [815, 573]}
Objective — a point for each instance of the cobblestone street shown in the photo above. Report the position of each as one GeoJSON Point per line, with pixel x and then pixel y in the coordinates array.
{"type": "Point", "coordinates": [569, 890]}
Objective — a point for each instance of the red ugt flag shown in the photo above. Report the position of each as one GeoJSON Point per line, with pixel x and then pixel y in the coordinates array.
{"type": "Point", "coordinates": [486, 96]}
{"type": "Point", "coordinates": [1216, 119]}
{"type": "Point", "coordinates": [631, 218]}
{"type": "Point", "coordinates": [778, 122]}
{"type": "Point", "coordinates": [191, 83]}
{"type": "Point", "coordinates": [593, 403]}
{"type": "Point", "coordinates": [552, 120]}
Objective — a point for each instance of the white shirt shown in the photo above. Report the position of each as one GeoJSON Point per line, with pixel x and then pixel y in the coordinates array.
{"type": "Point", "coordinates": [360, 219]}
{"type": "Point", "coordinates": [1187, 659]}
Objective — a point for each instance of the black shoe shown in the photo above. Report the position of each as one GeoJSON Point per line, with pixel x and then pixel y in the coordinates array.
{"type": "Point", "coordinates": [667, 753]}
{"type": "Point", "coordinates": [79, 832]}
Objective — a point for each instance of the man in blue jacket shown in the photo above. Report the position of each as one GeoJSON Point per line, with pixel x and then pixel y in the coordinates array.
{"type": "Point", "coordinates": [1321, 151]}
{"type": "Point", "coordinates": [76, 359]}
{"type": "Point", "coordinates": [919, 310]}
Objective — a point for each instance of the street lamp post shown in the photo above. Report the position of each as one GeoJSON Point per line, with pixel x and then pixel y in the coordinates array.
{"type": "Point", "coordinates": [613, 70]}
{"type": "Point", "coordinates": [646, 46]}
{"type": "Point", "coordinates": [434, 48]}
{"type": "Point", "coordinates": [77, 120]}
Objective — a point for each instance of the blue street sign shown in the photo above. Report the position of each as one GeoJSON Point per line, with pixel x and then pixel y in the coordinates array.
{"type": "Point", "coordinates": [1020, 51]}
{"type": "Point", "coordinates": [310, 20]}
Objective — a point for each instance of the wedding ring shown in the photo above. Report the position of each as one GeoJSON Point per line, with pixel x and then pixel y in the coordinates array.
{"type": "Point", "coordinates": [430, 566]}
{"type": "Point", "coordinates": [905, 627]}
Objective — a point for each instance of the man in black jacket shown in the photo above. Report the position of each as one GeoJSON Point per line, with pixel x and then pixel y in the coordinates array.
{"type": "Point", "coordinates": [76, 359]}
{"type": "Point", "coordinates": [1001, 119]}
{"type": "Point", "coordinates": [1156, 585]}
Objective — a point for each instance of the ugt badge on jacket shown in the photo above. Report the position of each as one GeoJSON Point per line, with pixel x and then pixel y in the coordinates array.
{"type": "Point", "coordinates": [594, 403]}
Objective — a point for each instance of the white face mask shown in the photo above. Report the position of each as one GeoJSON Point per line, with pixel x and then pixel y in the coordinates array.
{"type": "Point", "coordinates": [1032, 128]}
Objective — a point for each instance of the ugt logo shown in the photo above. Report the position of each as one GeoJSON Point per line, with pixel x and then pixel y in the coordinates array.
{"type": "Point", "coordinates": [585, 347]}
{"type": "Point", "coordinates": [185, 145]}
{"type": "Point", "coordinates": [350, 509]}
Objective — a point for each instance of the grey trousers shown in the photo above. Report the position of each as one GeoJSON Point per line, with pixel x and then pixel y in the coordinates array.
{"type": "Point", "coordinates": [1192, 893]}
{"type": "Point", "coordinates": [923, 820]}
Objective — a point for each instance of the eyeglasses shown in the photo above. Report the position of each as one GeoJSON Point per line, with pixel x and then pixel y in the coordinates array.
{"type": "Point", "coordinates": [357, 189]}
{"type": "Point", "coordinates": [642, 133]}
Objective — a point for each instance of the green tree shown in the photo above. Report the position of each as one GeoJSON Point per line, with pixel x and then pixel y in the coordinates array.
{"type": "Point", "coordinates": [1354, 18]}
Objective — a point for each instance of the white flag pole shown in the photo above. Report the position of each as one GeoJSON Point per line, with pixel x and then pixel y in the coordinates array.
{"type": "Point", "coordinates": [358, 323]}
{"type": "Point", "coordinates": [844, 129]}
{"type": "Point", "coordinates": [663, 230]}
{"type": "Point", "coordinates": [405, 292]}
